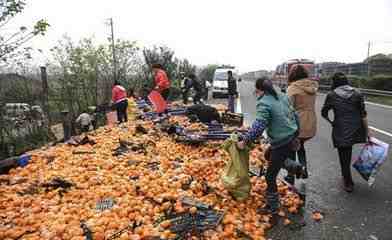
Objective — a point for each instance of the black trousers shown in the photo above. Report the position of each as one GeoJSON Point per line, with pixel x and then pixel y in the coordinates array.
{"type": "Point", "coordinates": [121, 109]}
{"type": "Point", "coordinates": [197, 97]}
{"type": "Point", "coordinates": [301, 154]}
{"type": "Point", "coordinates": [205, 94]}
{"type": "Point", "coordinates": [185, 94]}
{"type": "Point", "coordinates": [278, 157]}
{"type": "Point", "coordinates": [165, 93]}
{"type": "Point", "coordinates": [345, 154]}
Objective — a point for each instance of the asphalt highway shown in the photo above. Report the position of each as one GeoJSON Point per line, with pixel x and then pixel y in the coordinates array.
{"type": "Point", "coordinates": [364, 214]}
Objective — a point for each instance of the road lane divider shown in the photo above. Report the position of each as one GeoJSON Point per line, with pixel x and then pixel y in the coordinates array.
{"type": "Point", "coordinates": [380, 131]}
{"type": "Point", "coordinates": [239, 106]}
{"type": "Point", "coordinates": [378, 105]}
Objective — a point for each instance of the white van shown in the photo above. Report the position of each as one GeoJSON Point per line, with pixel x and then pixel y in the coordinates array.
{"type": "Point", "coordinates": [219, 82]}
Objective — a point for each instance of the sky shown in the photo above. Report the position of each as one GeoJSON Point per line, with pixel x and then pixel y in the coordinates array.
{"type": "Point", "coordinates": [249, 34]}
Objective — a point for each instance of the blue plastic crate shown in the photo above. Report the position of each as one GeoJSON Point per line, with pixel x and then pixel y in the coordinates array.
{"type": "Point", "coordinates": [23, 160]}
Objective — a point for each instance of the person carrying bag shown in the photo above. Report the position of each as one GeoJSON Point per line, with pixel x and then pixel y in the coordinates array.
{"type": "Point", "coordinates": [349, 125]}
{"type": "Point", "coordinates": [275, 114]}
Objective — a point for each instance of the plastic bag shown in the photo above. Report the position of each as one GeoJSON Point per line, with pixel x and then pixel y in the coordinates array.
{"type": "Point", "coordinates": [371, 157]}
{"type": "Point", "coordinates": [235, 177]}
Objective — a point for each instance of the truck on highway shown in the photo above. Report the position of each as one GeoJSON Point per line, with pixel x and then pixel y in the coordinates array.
{"type": "Point", "coordinates": [280, 77]}
{"type": "Point", "coordinates": [219, 81]}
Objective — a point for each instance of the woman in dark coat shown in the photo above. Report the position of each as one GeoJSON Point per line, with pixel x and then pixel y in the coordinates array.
{"type": "Point", "coordinates": [349, 125]}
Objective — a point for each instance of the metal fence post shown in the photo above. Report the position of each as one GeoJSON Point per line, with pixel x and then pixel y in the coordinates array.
{"type": "Point", "coordinates": [67, 125]}
{"type": "Point", "coordinates": [45, 92]}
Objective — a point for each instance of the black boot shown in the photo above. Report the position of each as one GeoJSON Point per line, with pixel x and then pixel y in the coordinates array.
{"type": "Point", "coordinates": [301, 172]}
{"type": "Point", "coordinates": [268, 210]}
{"type": "Point", "coordinates": [305, 174]}
{"type": "Point", "coordinates": [290, 179]}
{"type": "Point", "coordinates": [348, 185]}
{"type": "Point", "coordinates": [272, 205]}
{"type": "Point", "coordinates": [293, 168]}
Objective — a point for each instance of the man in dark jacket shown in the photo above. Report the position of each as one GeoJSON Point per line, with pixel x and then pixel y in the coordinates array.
{"type": "Point", "coordinates": [232, 91]}
{"type": "Point", "coordinates": [186, 87]}
{"type": "Point", "coordinates": [349, 125]}
{"type": "Point", "coordinates": [197, 87]}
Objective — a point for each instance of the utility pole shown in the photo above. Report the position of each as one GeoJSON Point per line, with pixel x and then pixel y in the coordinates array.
{"type": "Point", "coordinates": [114, 51]}
{"type": "Point", "coordinates": [45, 91]}
{"type": "Point", "coordinates": [368, 62]}
{"type": "Point", "coordinates": [96, 85]}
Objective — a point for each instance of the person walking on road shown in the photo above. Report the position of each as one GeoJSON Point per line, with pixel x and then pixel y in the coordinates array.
{"type": "Point", "coordinates": [349, 125]}
{"type": "Point", "coordinates": [232, 91]}
{"type": "Point", "coordinates": [162, 82]}
{"type": "Point", "coordinates": [274, 113]}
{"type": "Point", "coordinates": [120, 101]}
{"type": "Point", "coordinates": [302, 94]}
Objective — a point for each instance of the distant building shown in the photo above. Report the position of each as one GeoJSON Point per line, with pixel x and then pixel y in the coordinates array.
{"type": "Point", "coordinates": [251, 76]}
{"type": "Point", "coordinates": [377, 64]}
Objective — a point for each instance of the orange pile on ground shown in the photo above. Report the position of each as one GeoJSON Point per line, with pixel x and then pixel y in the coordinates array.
{"type": "Point", "coordinates": [140, 192]}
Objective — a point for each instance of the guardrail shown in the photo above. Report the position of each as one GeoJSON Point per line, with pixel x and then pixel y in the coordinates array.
{"type": "Point", "coordinates": [369, 92]}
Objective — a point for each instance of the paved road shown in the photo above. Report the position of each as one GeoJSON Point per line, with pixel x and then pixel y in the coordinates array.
{"type": "Point", "coordinates": [363, 214]}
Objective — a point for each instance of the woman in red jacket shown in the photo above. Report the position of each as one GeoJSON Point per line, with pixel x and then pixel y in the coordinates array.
{"type": "Point", "coordinates": [119, 98]}
{"type": "Point", "coordinates": [162, 82]}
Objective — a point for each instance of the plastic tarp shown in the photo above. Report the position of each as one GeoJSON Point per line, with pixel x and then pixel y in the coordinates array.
{"type": "Point", "coordinates": [235, 177]}
{"type": "Point", "coordinates": [371, 157]}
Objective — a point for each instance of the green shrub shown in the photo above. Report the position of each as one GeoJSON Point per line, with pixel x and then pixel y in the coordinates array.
{"type": "Point", "coordinates": [380, 82]}
{"type": "Point", "coordinates": [175, 93]}
{"type": "Point", "coordinates": [357, 81]}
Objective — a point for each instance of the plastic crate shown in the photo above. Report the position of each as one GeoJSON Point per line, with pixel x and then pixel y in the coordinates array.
{"type": "Point", "coordinates": [24, 160]}
{"type": "Point", "coordinates": [234, 119]}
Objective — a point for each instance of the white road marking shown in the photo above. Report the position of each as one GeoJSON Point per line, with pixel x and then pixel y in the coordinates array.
{"type": "Point", "coordinates": [239, 106]}
{"type": "Point", "coordinates": [379, 105]}
{"type": "Point", "coordinates": [381, 131]}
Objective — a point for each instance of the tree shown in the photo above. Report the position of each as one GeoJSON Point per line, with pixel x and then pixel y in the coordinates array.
{"type": "Point", "coordinates": [164, 56]}
{"type": "Point", "coordinates": [82, 73]}
{"type": "Point", "coordinates": [184, 66]}
{"type": "Point", "coordinates": [10, 43]}
{"type": "Point", "coordinates": [207, 72]}
{"type": "Point", "coordinates": [129, 64]}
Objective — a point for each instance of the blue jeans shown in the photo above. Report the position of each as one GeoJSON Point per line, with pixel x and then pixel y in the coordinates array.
{"type": "Point", "coordinates": [231, 100]}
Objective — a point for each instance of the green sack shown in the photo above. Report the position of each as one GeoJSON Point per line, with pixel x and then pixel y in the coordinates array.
{"type": "Point", "coordinates": [235, 177]}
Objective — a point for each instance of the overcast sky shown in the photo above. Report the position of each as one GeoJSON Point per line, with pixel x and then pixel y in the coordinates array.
{"type": "Point", "coordinates": [250, 34]}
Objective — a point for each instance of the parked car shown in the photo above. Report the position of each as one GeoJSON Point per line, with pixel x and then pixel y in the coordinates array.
{"type": "Point", "coordinates": [20, 125]}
